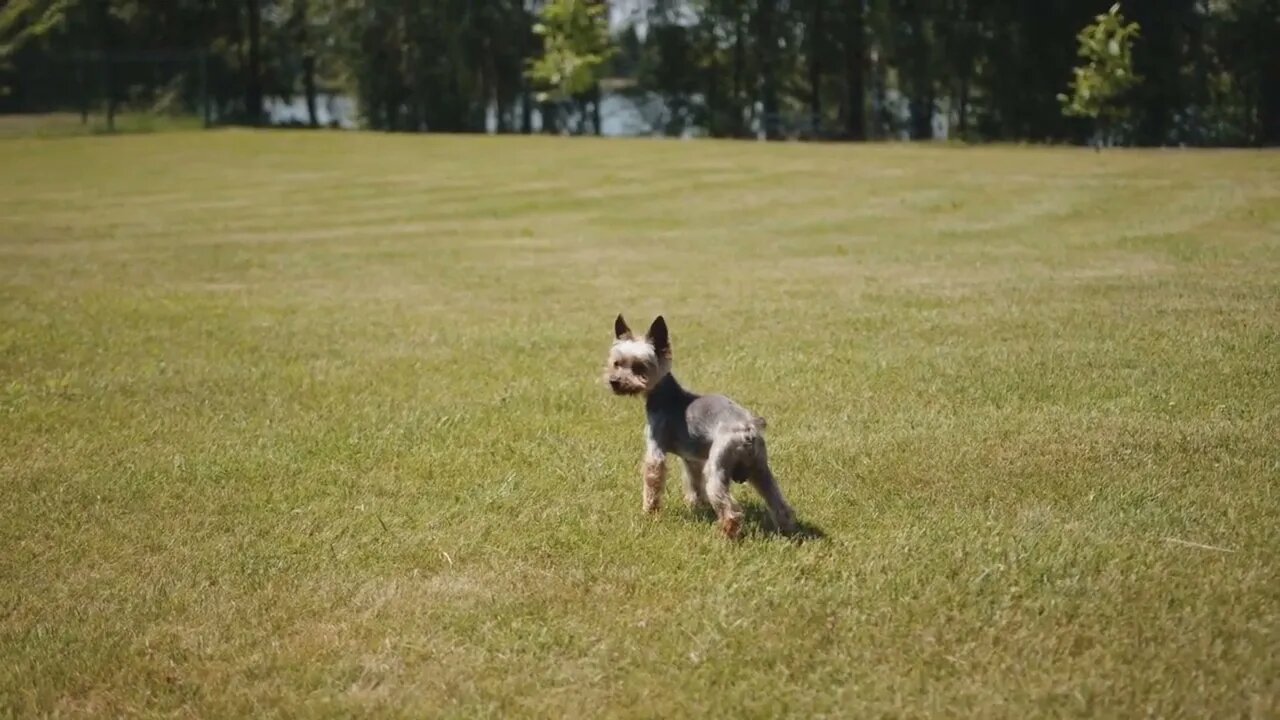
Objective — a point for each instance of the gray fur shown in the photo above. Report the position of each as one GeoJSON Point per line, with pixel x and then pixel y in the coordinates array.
{"type": "Point", "coordinates": [686, 424]}
{"type": "Point", "coordinates": [719, 440]}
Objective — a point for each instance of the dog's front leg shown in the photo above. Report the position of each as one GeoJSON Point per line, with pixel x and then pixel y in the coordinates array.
{"type": "Point", "coordinates": [655, 473]}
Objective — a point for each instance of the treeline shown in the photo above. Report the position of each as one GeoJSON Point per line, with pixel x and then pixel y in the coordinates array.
{"type": "Point", "coordinates": [851, 69]}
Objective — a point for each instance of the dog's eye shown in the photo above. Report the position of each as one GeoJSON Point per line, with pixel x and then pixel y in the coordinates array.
{"type": "Point", "coordinates": [638, 369]}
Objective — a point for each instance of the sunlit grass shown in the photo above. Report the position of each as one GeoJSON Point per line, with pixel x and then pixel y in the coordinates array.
{"type": "Point", "coordinates": [304, 424]}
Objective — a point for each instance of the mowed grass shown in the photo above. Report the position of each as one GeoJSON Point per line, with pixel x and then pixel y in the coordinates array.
{"type": "Point", "coordinates": [59, 125]}
{"type": "Point", "coordinates": [305, 425]}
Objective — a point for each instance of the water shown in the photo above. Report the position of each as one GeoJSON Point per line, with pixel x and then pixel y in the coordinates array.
{"type": "Point", "coordinates": [331, 111]}
{"type": "Point", "coordinates": [621, 115]}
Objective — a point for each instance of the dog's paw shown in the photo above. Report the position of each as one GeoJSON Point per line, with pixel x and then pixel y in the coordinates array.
{"type": "Point", "coordinates": [731, 526]}
{"type": "Point", "coordinates": [786, 523]}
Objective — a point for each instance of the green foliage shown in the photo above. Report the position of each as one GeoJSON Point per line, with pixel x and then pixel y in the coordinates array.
{"type": "Point", "coordinates": [575, 47]}
{"type": "Point", "coordinates": [22, 21]}
{"type": "Point", "coordinates": [25, 20]}
{"type": "Point", "coordinates": [1204, 74]}
{"type": "Point", "coordinates": [1106, 45]}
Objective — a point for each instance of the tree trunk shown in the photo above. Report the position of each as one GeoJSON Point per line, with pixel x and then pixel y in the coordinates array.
{"type": "Point", "coordinates": [713, 96]}
{"type": "Point", "coordinates": [502, 114]}
{"type": "Point", "coordinates": [595, 110]}
{"type": "Point", "coordinates": [815, 68]}
{"type": "Point", "coordinates": [309, 88]}
{"type": "Point", "coordinates": [479, 120]}
{"type": "Point", "coordinates": [526, 98]}
{"type": "Point", "coordinates": [1160, 62]}
{"type": "Point", "coordinates": [922, 115]}
{"type": "Point", "coordinates": [233, 86]}
{"type": "Point", "coordinates": [253, 83]}
{"type": "Point", "coordinates": [964, 39]}
{"type": "Point", "coordinates": [766, 49]}
{"type": "Point", "coordinates": [1269, 110]}
{"type": "Point", "coordinates": [855, 64]}
{"type": "Point", "coordinates": [883, 122]}
{"type": "Point", "coordinates": [108, 77]}
{"type": "Point", "coordinates": [206, 116]}
{"type": "Point", "coordinates": [109, 81]}
{"type": "Point", "coordinates": [739, 73]}
{"type": "Point", "coordinates": [417, 108]}
{"type": "Point", "coordinates": [308, 62]}
{"type": "Point", "coordinates": [83, 93]}
{"type": "Point", "coordinates": [1269, 85]}
{"type": "Point", "coordinates": [922, 94]}
{"type": "Point", "coordinates": [549, 119]}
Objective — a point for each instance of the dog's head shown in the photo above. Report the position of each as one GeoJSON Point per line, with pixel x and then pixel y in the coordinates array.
{"type": "Point", "coordinates": [636, 365]}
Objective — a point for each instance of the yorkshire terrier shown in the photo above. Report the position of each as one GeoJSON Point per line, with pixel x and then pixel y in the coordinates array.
{"type": "Point", "coordinates": [717, 439]}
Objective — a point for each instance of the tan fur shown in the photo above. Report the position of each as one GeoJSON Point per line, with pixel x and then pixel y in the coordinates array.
{"type": "Point", "coordinates": [731, 526]}
{"type": "Point", "coordinates": [625, 357]}
{"type": "Point", "coordinates": [655, 479]}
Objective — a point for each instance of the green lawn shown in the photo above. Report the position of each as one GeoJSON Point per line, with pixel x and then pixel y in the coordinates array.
{"type": "Point", "coordinates": [68, 124]}
{"type": "Point", "coordinates": [310, 424]}
{"type": "Point", "coordinates": [57, 125]}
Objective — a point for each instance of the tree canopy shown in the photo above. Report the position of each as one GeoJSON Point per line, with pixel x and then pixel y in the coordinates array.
{"type": "Point", "coordinates": [1200, 72]}
{"type": "Point", "coordinates": [1099, 85]}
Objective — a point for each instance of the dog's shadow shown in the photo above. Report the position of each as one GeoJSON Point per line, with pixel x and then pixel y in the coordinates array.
{"type": "Point", "coordinates": [756, 517]}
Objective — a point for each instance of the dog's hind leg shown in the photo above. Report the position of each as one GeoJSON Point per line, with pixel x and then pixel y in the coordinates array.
{"type": "Point", "coordinates": [718, 488]}
{"type": "Point", "coordinates": [763, 481]}
{"type": "Point", "coordinates": [695, 488]}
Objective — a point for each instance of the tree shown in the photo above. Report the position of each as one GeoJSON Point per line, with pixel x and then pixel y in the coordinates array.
{"type": "Point", "coordinates": [1100, 84]}
{"type": "Point", "coordinates": [855, 64]}
{"type": "Point", "coordinates": [915, 45]}
{"type": "Point", "coordinates": [300, 22]}
{"type": "Point", "coordinates": [24, 21]}
{"type": "Point", "coordinates": [1162, 63]}
{"type": "Point", "coordinates": [1251, 55]}
{"type": "Point", "coordinates": [962, 52]}
{"type": "Point", "coordinates": [816, 31]}
{"type": "Point", "coordinates": [1204, 71]}
{"type": "Point", "coordinates": [253, 79]}
{"type": "Point", "coordinates": [765, 21]}
{"type": "Point", "coordinates": [575, 47]}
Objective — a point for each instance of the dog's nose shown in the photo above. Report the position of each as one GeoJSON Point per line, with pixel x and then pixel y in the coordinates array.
{"type": "Point", "coordinates": [614, 383]}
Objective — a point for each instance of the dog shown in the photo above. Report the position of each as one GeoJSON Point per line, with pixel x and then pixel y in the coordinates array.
{"type": "Point", "coordinates": [718, 440]}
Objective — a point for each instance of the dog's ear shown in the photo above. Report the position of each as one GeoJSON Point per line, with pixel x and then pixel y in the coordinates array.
{"type": "Point", "coordinates": [658, 337]}
{"type": "Point", "coordinates": [620, 329]}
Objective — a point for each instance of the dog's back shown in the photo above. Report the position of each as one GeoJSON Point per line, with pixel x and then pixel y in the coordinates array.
{"type": "Point", "coordinates": [713, 417]}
